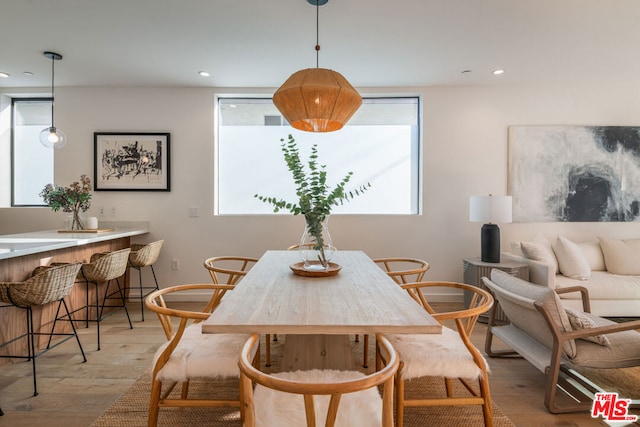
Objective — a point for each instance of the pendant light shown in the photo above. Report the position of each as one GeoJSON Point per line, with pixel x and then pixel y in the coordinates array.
{"type": "Point", "coordinates": [317, 99]}
{"type": "Point", "coordinates": [53, 137]}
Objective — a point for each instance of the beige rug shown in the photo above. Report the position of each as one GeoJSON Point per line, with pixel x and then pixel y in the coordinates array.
{"type": "Point", "coordinates": [132, 408]}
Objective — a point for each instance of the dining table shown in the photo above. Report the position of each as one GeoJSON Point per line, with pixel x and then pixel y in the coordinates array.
{"type": "Point", "coordinates": [318, 313]}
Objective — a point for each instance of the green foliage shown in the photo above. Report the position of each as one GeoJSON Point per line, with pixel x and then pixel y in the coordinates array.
{"type": "Point", "coordinates": [76, 197]}
{"type": "Point", "coordinates": [315, 197]}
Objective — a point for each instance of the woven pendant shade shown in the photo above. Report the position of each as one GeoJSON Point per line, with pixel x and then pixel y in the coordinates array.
{"type": "Point", "coordinates": [317, 100]}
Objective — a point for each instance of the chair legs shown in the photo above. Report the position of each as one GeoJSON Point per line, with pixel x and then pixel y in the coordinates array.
{"type": "Point", "coordinates": [100, 315]}
{"type": "Point", "coordinates": [144, 290]}
{"type": "Point", "coordinates": [31, 334]}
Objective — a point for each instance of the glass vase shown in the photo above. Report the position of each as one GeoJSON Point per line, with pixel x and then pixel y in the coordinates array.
{"type": "Point", "coordinates": [77, 221]}
{"type": "Point", "coordinates": [316, 248]}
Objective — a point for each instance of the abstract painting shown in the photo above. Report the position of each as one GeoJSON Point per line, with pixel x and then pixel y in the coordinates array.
{"type": "Point", "coordinates": [574, 173]}
{"type": "Point", "coordinates": [131, 161]}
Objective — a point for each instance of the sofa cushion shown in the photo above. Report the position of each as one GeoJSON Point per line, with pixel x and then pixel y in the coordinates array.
{"type": "Point", "coordinates": [571, 260]}
{"type": "Point", "coordinates": [603, 286]}
{"type": "Point", "coordinates": [517, 302]}
{"type": "Point", "coordinates": [593, 253]}
{"type": "Point", "coordinates": [623, 352]}
{"type": "Point", "coordinates": [621, 256]}
{"type": "Point", "coordinates": [539, 249]}
{"type": "Point", "coordinates": [579, 320]}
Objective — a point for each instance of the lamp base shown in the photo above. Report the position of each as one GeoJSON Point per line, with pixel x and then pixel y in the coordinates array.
{"type": "Point", "coordinates": [490, 243]}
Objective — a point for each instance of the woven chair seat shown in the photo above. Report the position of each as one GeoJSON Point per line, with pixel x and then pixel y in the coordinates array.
{"type": "Point", "coordinates": [47, 285]}
{"type": "Point", "coordinates": [199, 355]}
{"type": "Point", "coordinates": [435, 355]}
{"type": "Point", "coordinates": [143, 255]}
{"type": "Point", "coordinates": [106, 266]}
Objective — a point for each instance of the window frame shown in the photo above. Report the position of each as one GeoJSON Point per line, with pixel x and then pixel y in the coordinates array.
{"type": "Point", "coordinates": [420, 150]}
{"type": "Point", "coordinates": [15, 100]}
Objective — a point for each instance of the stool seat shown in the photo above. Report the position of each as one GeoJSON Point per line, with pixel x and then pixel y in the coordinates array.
{"type": "Point", "coordinates": [46, 285]}
{"type": "Point", "coordinates": [105, 267]}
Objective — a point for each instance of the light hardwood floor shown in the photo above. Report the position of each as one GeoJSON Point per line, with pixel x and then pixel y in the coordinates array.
{"type": "Point", "coordinates": [73, 393]}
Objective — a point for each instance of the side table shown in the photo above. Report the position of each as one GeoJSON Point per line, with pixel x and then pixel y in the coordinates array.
{"type": "Point", "coordinates": [475, 270]}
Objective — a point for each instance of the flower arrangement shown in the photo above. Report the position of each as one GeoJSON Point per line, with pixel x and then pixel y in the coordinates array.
{"type": "Point", "coordinates": [75, 198]}
{"type": "Point", "coordinates": [315, 198]}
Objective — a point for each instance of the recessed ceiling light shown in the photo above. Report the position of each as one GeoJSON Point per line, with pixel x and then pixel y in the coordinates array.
{"type": "Point", "coordinates": [28, 73]}
{"type": "Point", "coordinates": [5, 75]}
{"type": "Point", "coordinates": [204, 73]}
{"type": "Point", "coordinates": [498, 72]}
{"type": "Point", "coordinates": [465, 72]}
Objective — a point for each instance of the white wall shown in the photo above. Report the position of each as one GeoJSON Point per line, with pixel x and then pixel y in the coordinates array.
{"type": "Point", "coordinates": [465, 153]}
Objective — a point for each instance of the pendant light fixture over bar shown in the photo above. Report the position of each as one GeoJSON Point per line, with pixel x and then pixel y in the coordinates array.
{"type": "Point", "coordinates": [317, 99]}
{"type": "Point", "coordinates": [52, 137]}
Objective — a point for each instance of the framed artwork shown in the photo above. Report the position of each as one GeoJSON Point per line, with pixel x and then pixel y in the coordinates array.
{"type": "Point", "coordinates": [574, 173]}
{"type": "Point", "coordinates": [131, 161]}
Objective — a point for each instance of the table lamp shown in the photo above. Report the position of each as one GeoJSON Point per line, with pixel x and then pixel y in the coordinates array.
{"type": "Point", "coordinates": [491, 210]}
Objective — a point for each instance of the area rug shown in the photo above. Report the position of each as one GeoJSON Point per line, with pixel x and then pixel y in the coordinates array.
{"type": "Point", "coordinates": [132, 408]}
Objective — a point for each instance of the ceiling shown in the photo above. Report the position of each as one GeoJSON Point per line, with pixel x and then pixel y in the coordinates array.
{"type": "Point", "coordinates": [373, 43]}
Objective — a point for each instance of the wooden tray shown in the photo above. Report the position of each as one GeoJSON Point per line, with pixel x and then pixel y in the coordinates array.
{"type": "Point", "coordinates": [95, 230]}
{"type": "Point", "coordinates": [298, 269]}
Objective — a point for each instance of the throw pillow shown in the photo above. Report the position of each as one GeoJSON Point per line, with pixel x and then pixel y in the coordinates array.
{"type": "Point", "coordinates": [593, 253]}
{"type": "Point", "coordinates": [571, 261]}
{"type": "Point", "coordinates": [538, 252]}
{"type": "Point", "coordinates": [621, 256]}
{"type": "Point", "coordinates": [579, 321]}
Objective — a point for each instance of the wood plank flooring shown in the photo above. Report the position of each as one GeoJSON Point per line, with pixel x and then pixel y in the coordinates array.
{"type": "Point", "coordinates": [73, 393]}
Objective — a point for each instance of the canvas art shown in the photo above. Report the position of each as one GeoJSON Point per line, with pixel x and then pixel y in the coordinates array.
{"type": "Point", "coordinates": [574, 173]}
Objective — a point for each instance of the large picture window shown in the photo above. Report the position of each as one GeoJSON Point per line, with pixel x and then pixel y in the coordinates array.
{"type": "Point", "coordinates": [32, 163]}
{"type": "Point", "coordinates": [380, 145]}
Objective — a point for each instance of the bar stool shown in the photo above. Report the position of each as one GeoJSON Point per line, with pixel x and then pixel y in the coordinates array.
{"type": "Point", "coordinates": [46, 285]}
{"type": "Point", "coordinates": [144, 255]}
{"type": "Point", "coordinates": [105, 267]}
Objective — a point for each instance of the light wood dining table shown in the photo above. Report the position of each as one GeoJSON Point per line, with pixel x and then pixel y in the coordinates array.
{"type": "Point", "coordinates": [318, 313]}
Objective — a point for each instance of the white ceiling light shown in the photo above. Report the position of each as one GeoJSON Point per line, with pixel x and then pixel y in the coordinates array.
{"type": "Point", "coordinates": [204, 73]}
{"type": "Point", "coordinates": [498, 72]}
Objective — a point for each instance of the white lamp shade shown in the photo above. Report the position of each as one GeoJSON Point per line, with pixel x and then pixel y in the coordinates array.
{"type": "Point", "coordinates": [490, 209]}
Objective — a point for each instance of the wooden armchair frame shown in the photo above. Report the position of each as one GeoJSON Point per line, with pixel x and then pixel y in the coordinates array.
{"type": "Point", "coordinates": [385, 377]}
{"type": "Point", "coordinates": [156, 303]}
{"type": "Point", "coordinates": [465, 320]}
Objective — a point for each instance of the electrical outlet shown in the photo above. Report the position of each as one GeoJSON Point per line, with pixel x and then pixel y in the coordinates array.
{"type": "Point", "coordinates": [175, 264]}
{"type": "Point", "coordinates": [101, 211]}
{"type": "Point", "coordinates": [113, 211]}
{"type": "Point", "coordinates": [193, 212]}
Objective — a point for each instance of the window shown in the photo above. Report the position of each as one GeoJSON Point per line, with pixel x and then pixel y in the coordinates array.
{"type": "Point", "coordinates": [32, 163]}
{"type": "Point", "coordinates": [380, 145]}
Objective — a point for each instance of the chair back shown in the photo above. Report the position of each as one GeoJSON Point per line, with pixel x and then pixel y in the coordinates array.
{"type": "Point", "coordinates": [106, 266]}
{"type": "Point", "coordinates": [48, 284]}
{"type": "Point", "coordinates": [481, 301]}
{"type": "Point", "coordinates": [404, 270]}
{"type": "Point", "coordinates": [144, 255]}
{"type": "Point", "coordinates": [228, 270]}
{"type": "Point", "coordinates": [306, 408]}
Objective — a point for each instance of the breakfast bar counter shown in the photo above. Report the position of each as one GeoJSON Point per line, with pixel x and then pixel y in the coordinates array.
{"type": "Point", "coordinates": [21, 253]}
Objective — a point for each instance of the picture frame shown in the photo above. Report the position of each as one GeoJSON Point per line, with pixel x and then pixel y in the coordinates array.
{"type": "Point", "coordinates": [131, 161]}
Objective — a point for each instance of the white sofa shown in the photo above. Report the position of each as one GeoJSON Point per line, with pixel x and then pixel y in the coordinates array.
{"type": "Point", "coordinates": [608, 268]}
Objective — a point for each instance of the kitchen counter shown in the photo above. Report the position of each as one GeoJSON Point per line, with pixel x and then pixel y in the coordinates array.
{"type": "Point", "coordinates": [17, 245]}
{"type": "Point", "coordinates": [21, 253]}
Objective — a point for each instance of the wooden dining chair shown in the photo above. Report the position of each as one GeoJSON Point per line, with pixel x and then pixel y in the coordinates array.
{"type": "Point", "coordinates": [189, 354]}
{"type": "Point", "coordinates": [402, 271]}
{"type": "Point", "coordinates": [229, 270]}
{"type": "Point", "coordinates": [449, 355]}
{"type": "Point", "coordinates": [317, 397]}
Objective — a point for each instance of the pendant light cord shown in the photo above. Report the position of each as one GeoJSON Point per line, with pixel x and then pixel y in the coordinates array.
{"type": "Point", "coordinates": [317, 33]}
{"type": "Point", "coordinates": [53, 98]}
